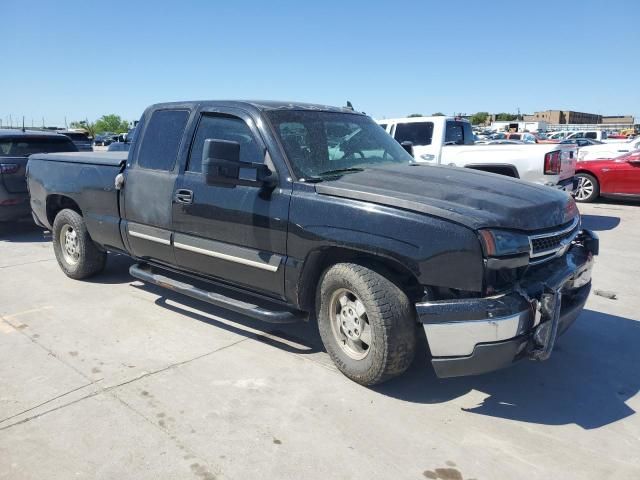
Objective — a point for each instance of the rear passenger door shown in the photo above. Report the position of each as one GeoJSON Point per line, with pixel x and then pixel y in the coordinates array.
{"type": "Point", "coordinates": [234, 234]}
{"type": "Point", "coordinates": [149, 185]}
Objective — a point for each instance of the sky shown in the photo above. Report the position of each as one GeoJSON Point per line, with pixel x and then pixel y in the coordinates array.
{"type": "Point", "coordinates": [81, 60]}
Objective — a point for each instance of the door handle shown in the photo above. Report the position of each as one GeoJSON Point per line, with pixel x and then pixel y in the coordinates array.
{"type": "Point", "coordinates": [184, 196]}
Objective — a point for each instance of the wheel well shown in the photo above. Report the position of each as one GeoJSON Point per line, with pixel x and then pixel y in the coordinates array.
{"type": "Point", "coordinates": [506, 170]}
{"type": "Point", "coordinates": [588, 173]}
{"type": "Point", "coordinates": [55, 203]}
{"type": "Point", "coordinates": [319, 261]}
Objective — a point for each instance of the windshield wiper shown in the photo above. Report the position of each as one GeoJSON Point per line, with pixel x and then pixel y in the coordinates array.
{"type": "Point", "coordinates": [340, 171]}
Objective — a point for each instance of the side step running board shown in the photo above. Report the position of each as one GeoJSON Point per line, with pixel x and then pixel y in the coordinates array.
{"type": "Point", "coordinates": [276, 315]}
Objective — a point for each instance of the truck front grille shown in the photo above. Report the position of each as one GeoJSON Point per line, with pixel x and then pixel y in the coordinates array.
{"type": "Point", "coordinates": [545, 246]}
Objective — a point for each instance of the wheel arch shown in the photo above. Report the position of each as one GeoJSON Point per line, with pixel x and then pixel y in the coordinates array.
{"type": "Point", "coordinates": [56, 202]}
{"type": "Point", "coordinates": [506, 169]}
{"type": "Point", "coordinates": [319, 260]}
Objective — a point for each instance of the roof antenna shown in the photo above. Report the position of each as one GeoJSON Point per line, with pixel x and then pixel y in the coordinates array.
{"type": "Point", "coordinates": [23, 130]}
{"type": "Point", "coordinates": [349, 105]}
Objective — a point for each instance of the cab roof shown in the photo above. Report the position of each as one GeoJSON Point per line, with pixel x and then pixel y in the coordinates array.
{"type": "Point", "coordinates": [256, 105]}
{"type": "Point", "coordinates": [15, 132]}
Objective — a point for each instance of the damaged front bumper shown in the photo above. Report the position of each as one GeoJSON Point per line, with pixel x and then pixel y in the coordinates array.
{"type": "Point", "coordinates": [471, 336]}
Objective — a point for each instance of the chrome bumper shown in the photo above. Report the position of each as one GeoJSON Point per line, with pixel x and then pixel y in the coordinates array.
{"type": "Point", "coordinates": [477, 335]}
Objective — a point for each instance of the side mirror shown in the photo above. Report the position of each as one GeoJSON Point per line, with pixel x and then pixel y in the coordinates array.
{"type": "Point", "coordinates": [408, 146]}
{"type": "Point", "coordinates": [221, 166]}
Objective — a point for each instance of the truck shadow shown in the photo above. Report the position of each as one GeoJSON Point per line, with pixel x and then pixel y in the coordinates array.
{"type": "Point", "coordinates": [23, 232]}
{"type": "Point", "coordinates": [299, 338]}
{"type": "Point", "coordinates": [587, 380]}
{"type": "Point", "coordinates": [600, 223]}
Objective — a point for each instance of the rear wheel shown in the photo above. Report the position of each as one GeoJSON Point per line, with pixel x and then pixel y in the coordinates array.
{"type": "Point", "coordinates": [366, 322]}
{"type": "Point", "coordinates": [588, 188]}
{"type": "Point", "coordinates": [77, 255]}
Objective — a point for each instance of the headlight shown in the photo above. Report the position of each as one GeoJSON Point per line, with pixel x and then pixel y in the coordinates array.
{"type": "Point", "coordinates": [498, 243]}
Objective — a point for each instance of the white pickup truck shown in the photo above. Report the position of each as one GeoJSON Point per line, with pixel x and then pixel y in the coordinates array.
{"type": "Point", "coordinates": [450, 141]}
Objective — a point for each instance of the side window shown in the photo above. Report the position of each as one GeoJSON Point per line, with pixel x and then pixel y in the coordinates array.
{"type": "Point", "coordinates": [591, 135]}
{"type": "Point", "coordinates": [514, 136]}
{"type": "Point", "coordinates": [223, 128]}
{"type": "Point", "coordinates": [578, 135]}
{"type": "Point", "coordinates": [161, 139]}
{"type": "Point", "coordinates": [418, 133]}
{"type": "Point", "coordinates": [454, 133]}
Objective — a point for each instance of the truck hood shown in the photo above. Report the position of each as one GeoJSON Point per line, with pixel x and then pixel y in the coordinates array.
{"type": "Point", "coordinates": [468, 197]}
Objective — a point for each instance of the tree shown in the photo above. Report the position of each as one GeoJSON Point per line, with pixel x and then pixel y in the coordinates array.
{"type": "Point", "coordinates": [479, 118]}
{"type": "Point", "coordinates": [85, 125]}
{"type": "Point", "coordinates": [111, 123]}
{"type": "Point", "coordinates": [416, 115]}
{"type": "Point", "coordinates": [506, 117]}
{"type": "Point", "coordinates": [437, 114]}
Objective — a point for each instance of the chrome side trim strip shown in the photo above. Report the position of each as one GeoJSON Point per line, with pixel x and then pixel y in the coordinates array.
{"type": "Point", "coordinates": [231, 258]}
{"type": "Point", "coordinates": [151, 238]}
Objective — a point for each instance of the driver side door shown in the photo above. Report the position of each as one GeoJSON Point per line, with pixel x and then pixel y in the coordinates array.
{"type": "Point", "coordinates": [234, 234]}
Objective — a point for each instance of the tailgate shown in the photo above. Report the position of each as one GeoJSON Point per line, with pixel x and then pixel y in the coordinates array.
{"type": "Point", "coordinates": [568, 161]}
{"type": "Point", "coordinates": [13, 174]}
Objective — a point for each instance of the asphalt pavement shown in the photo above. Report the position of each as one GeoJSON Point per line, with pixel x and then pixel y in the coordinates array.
{"type": "Point", "coordinates": [114, 379]}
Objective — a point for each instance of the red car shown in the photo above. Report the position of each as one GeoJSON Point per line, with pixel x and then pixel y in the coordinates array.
{"type": "Point", "coordinates": [618, 176]}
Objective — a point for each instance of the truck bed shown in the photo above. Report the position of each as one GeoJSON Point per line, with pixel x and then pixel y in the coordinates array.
{"type": "Point", "coordinates": [114, 159]}
{"type": "Point", "coordinates": [83, 179]}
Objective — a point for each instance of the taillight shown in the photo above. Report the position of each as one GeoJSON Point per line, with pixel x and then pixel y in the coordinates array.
{"type": "Point", "coordinates": [552, 163]}
{"type": "Point", "coordinates": [9, 168]}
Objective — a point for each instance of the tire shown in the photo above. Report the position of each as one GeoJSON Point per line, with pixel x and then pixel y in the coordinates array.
{"type": "Point", "coordinates": [77, 255]}
{"type": "Point", "coordinates": [588, 188]}
{"type": "Point", "coordinates": [352, 296]}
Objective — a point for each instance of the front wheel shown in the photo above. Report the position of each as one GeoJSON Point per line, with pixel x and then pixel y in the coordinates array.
{"type": "Point", "coordinates": [588, 188]}
{"type": "Point", "coordinates": [367, 323]}
{"type": "Point", "coordinates": [77, 255]}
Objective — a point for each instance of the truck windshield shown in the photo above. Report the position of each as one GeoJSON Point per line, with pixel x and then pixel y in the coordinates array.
{"type": "Point", "coordinates": [324, 144]}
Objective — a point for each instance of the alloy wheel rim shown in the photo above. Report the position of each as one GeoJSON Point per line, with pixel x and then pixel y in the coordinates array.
{"type": "Point", "coordinates": [585, 188]}
{"type": "Point", "coordinates": [350, 324]}
{"type": "Point", "coordinates": [69, 244]}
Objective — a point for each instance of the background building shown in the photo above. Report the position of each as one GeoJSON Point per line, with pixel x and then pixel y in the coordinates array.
{"type": "Point", "coordinates": [564, 116]}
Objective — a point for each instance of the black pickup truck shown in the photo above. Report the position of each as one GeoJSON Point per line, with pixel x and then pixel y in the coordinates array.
{"type": "Point", "coordinates": [287, 211]}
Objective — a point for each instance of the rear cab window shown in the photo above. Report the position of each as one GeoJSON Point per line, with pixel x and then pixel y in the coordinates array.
{"type": "Point", "coordinates": [418, 133]}
{"type": "Point", "coordinates": [23, 146]}
{"type": "Point", "coordinates": [458, 133]}
{"type": "Point", "coordinates": [161, 139]}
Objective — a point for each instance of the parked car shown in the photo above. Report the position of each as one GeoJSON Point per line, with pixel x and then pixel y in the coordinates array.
{"type": "Point", "coordinates": [123, 142]}
{"type": "Point", "coordinates": [599, 135]}
{"type": "Point", "coordinates": [609, 177]}
{"type": "Point", "coordinates": [608, 150]}
{"type": "Point", "coordinates": [522, 137]}
{"type": "Point", "coordinates": [499, 142]}
{"type": "Point", "coordinates": [103, 139]}
{"type": "Point", "coordinates": [15, 148]}
{"type": "Point", "coordinates": [449, 141]}
{"type": "Point", "coordinates": [81, 140]}
{"type": "Point", "coordinates": [581, 142]}
{"type": "Point", "coordinates": [558, 135]}
{"type": "Point", "coordinates": [286, 211]}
